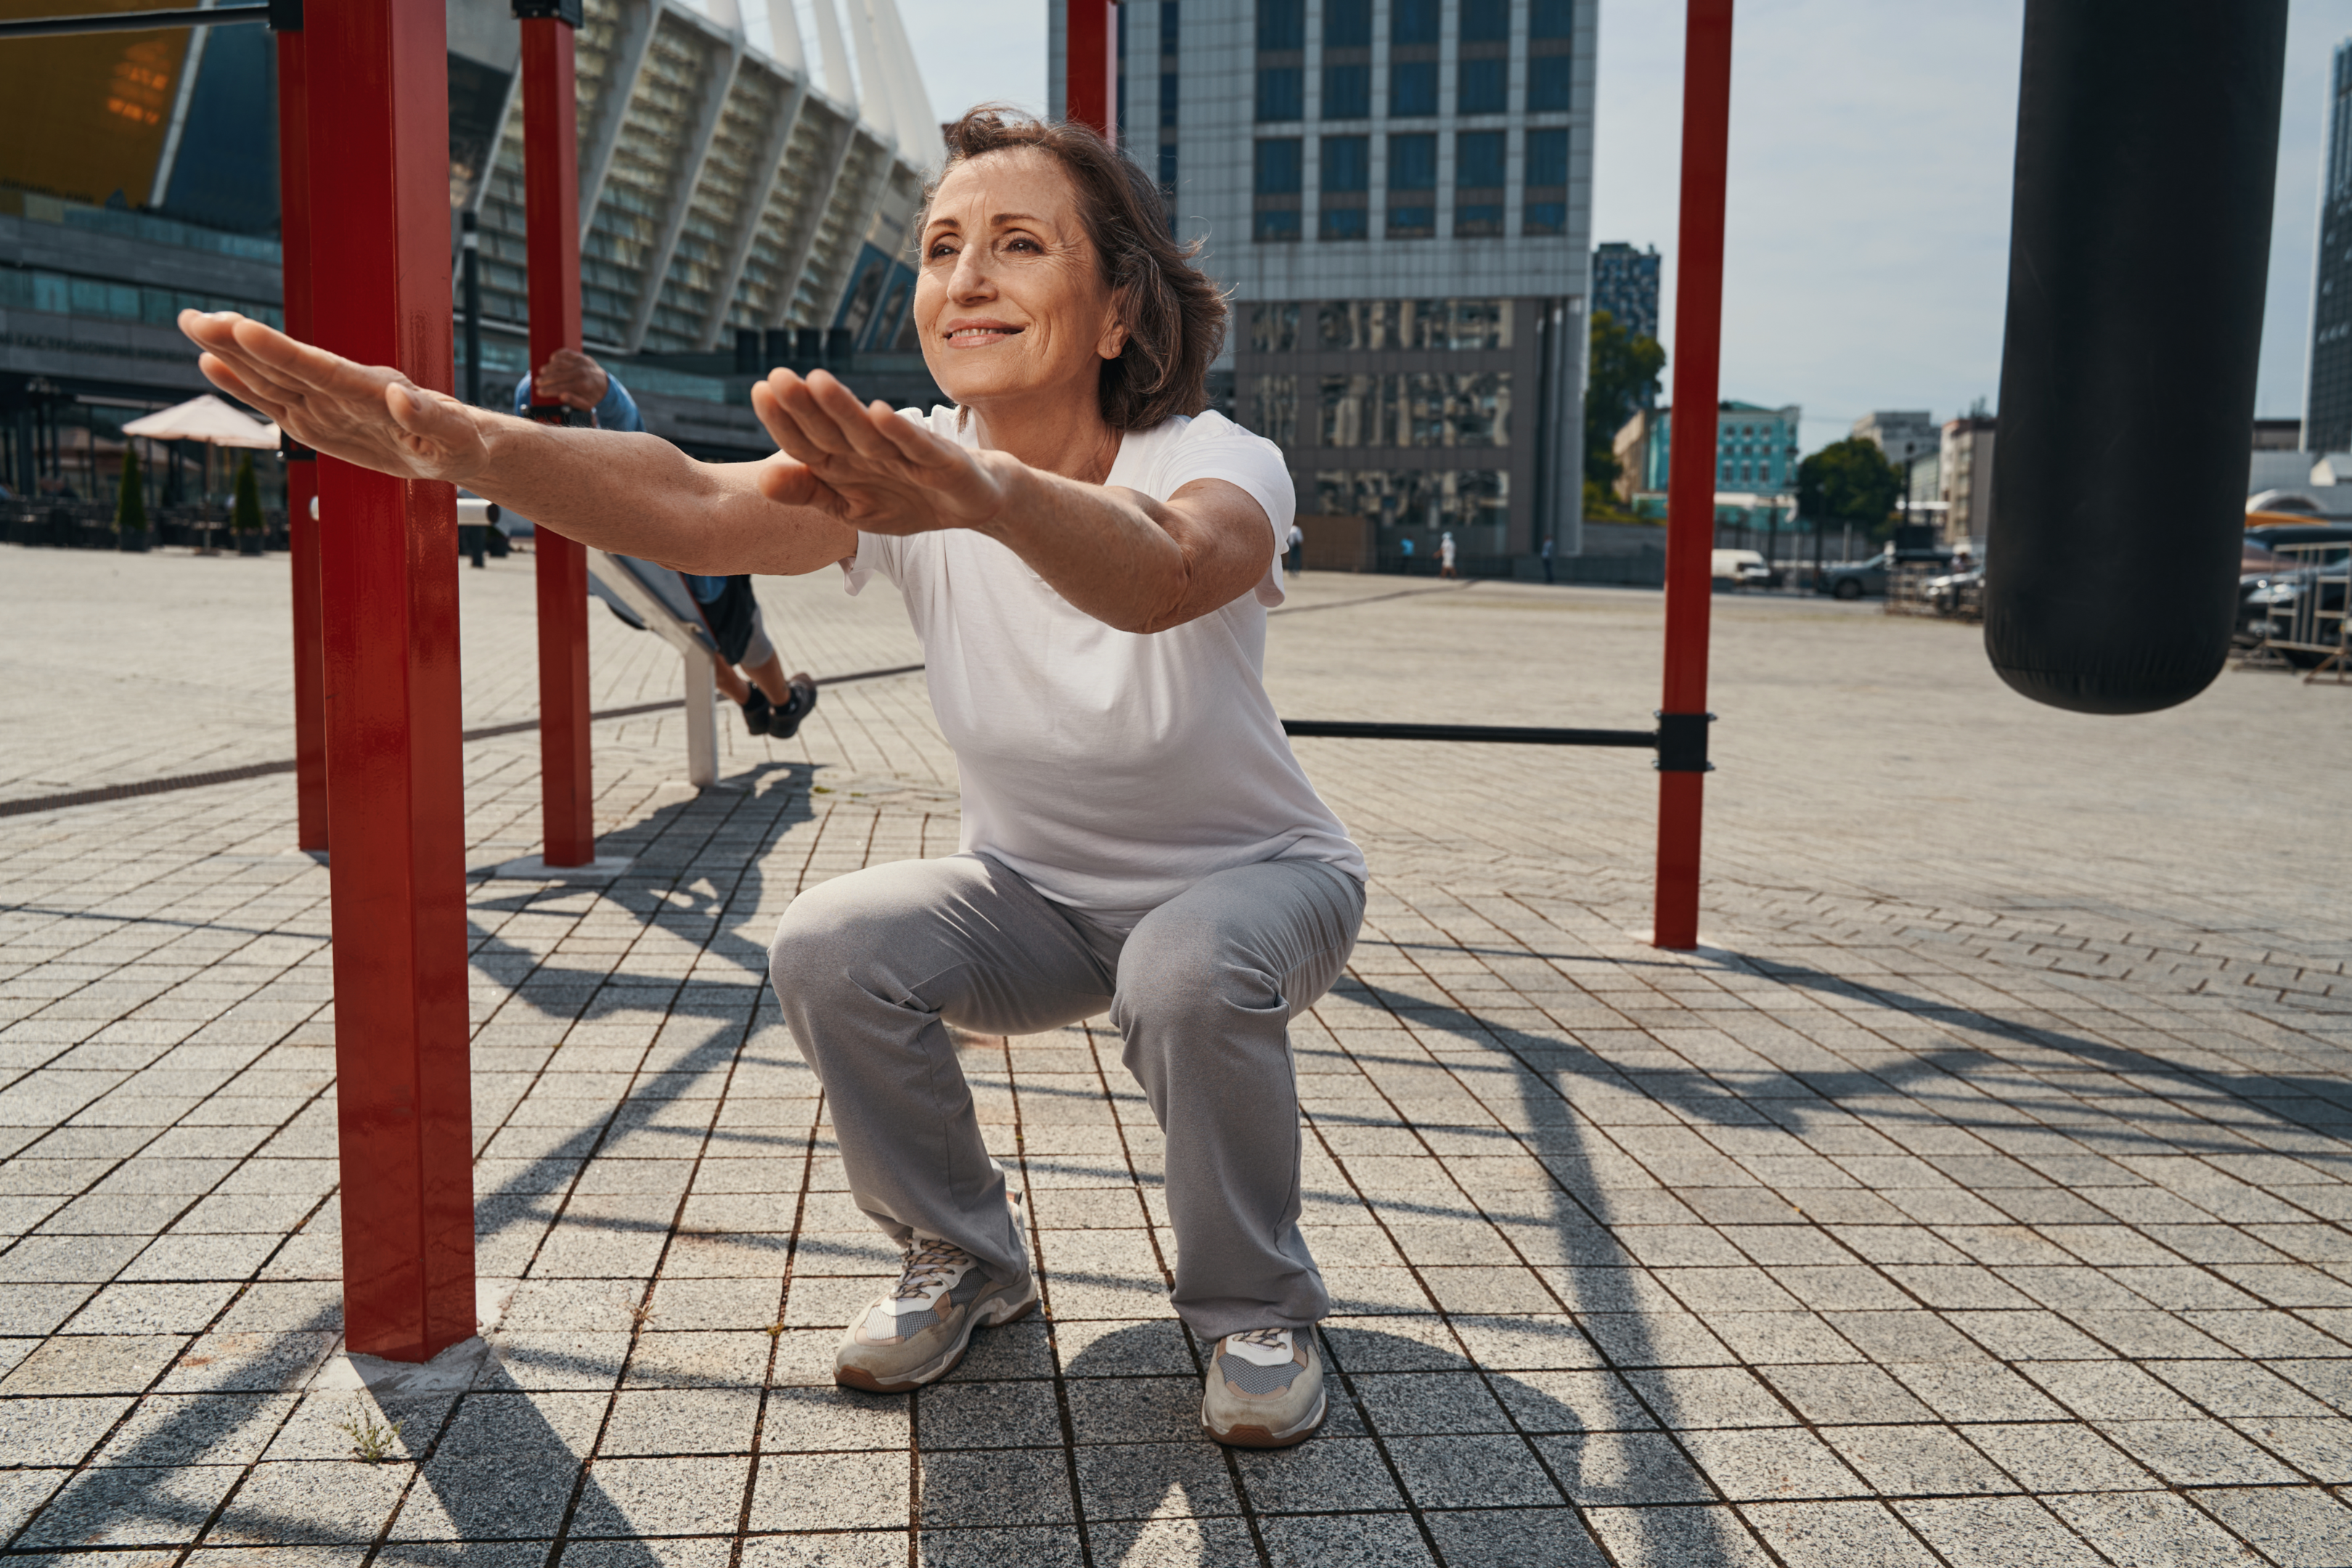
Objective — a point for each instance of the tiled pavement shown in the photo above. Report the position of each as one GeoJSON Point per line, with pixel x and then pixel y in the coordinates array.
{"type": "Point", "coordinates": [1977, 1197]}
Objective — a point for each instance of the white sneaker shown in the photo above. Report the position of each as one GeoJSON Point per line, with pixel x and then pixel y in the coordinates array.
{"type": "Point", "coordinates": [916, 1332]}
{"type": "Point", "coordinates": [1264, 1389]}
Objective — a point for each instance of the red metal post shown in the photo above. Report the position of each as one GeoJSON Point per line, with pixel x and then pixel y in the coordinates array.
{"type": "Point", "coordinates": [1090, 89]}
{"type": "Point", "coordinates": [1690, 484]}
{"type": "Point", "coordinates": [380, 294]}
{"type": "Point", "coordinates": [301, 468]}
{"type": "Point", "coordinates": [551, 168]}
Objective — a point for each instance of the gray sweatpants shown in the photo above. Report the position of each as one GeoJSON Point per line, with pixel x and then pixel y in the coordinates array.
{"type": "Point", "coordinates": [869, 966]}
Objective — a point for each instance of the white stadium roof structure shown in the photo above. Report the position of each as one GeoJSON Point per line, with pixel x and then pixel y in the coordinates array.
{"type": "Point", "coordinates": [726, 183]}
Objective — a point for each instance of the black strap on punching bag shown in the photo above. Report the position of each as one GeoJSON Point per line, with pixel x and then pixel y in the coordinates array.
{"type": "Point", "coordinates": [2146, 150]}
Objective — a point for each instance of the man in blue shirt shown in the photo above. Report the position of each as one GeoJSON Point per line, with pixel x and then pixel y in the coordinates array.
{"type": "Point", "coordinates": [772, 703]}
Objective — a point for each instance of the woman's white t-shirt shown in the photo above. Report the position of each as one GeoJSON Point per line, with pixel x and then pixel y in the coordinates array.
{"type": "Point", "coordinates": [1112, 770]}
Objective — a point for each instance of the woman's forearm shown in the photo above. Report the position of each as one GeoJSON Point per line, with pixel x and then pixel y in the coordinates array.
{"type": "Point", "coordinates": [638, 495]}
{"type": "Point", "coordinates": [1132, 562]}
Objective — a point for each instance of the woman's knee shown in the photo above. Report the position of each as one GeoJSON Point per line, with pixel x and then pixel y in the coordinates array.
{"type": "Point", "coordinates": [828, 928]}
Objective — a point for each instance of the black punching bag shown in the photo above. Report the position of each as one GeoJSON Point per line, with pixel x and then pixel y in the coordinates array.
{"type": "Point", "coordinates": [2146, 150]}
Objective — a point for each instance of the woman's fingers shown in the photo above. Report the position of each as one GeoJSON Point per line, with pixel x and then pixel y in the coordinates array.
{"type": "Point", "coordinates": [218, 371]}
{"type": "Point", "coordinates": [783, 426]}
{"type": "Point", "coordinates": [818, 429]}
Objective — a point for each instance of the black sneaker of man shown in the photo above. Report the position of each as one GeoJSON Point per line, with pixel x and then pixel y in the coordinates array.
{"type": "Point", "coordinates": [783, 721]}
{"type": "Point", "coordinates": [756, 712]}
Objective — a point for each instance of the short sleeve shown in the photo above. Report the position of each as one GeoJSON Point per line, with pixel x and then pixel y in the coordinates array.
{"type": "Point", "coordinates": [1213, 447]}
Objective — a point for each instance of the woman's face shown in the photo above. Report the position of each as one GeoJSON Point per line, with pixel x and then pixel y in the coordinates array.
{"type": "Point", "coordinates": [1010, 300]}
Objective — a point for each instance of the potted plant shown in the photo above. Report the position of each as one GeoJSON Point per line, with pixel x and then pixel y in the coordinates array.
{"type": "Point", "coordinates": [244, 517]}
{"type": "Point", "coordinates": [130, 505]}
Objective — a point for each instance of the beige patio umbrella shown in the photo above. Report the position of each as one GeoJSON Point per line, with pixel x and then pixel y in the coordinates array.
{"type": "Point", "coordinates": [215, 423]}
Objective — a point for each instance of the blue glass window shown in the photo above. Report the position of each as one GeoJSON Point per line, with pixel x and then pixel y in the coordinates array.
{"type": "Point", "coordinates": [1281, 93]}
{"type": "Point", "coordinates": [1548, 157]}
{"type": "Point", "coordinates": [1347, 24]}
{"type": "Point", "coordinates": [1342, 223]}
{"type": "Point", "coordinates": [1347, 162]}
{"type": "Point", "coordinates": [1416, 222]}
{"type": "Point", "coordinates": [1275, 226]}
{"type": "Point", "coordinates": [1485, 21]}
{"type": "Point", "coordinates": [1550, 82]}
{"type": "Point", "coordinates": [1167, 98]}
{"type": "Point", "coordinates": [1168, 16]}
{"type": "Point", "coordinates": [1551, 18]}
{"type": "Point", "coordinates": [1412, 22]}
{"type": "Point", "coordinates": [1473, 219]}
{"type": "Point", "coordinates": [1277, 166]}
{"type": "Point", "coordinates": [1413, 87]}
{"type": "Point", "coordinates": [1544, 218]}
{"type": "Point", "coordinates": [1281, 24]}
{"type": "Point", "coordinates": [1478, 159]}
{"type": "Point", "coordinates": [1347, 93]}
{"type": "Point", "coordinates": [1168, 165]}
{"type": "Point", "coordinates": [1413, 162]}
{"type": "Point", "coordinates": [1479, 87]}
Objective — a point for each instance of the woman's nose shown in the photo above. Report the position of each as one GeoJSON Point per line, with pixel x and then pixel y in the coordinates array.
{"type": "Point", "coordinates": [970, 280]}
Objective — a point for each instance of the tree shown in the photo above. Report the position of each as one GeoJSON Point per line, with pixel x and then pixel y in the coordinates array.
{"type": "Point", "coordinates": [1848, 482]}
{"type": "Point", "coordinates": [245, 515]}
{"type": "Point", "coordinates": [1623, 377]}
{"type": "Point", "coordinates": [130, 501]}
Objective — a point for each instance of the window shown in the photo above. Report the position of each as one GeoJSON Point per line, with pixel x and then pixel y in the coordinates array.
{"type": "Point", "coordinates": [1478, 160]}
{"type": "Point", "coordinates": [1281, 24]}
{"type": "Point", "coordinates": [1417, 221]}
{"type": "Point", "coordinates": [1167, 166]}
{"type": "Point", "coordinates": [1272, 408]}
{"type": "Point", "coordinates": [1347, 93]}
{"type": "Point", "coordinates": [1551, 18]}
{"type": "Point", "coordinates": [1547, 158]}
{"type": "Point", "coordinates": [1273, 329]}
{"type": "Point", "coordinates": [1168, 18]}
{"type": "Point", "coordinates": [1486, 21]}
{"type": "Point", "coordinates": [1342, 223]}
{"type": "Point", "coordinates": [1412, 88]}
{"type": "Point", "coordinates": [1275, 226]}
{"type": "Point", "coordinates": [1347, 164]}
{"type": "Point", "coordinates": [1479, 87]}
{"type": "Point", "coordinates": [1411, 22]}
{"type": "Point", "coordinates": [1477, 220]}
{"type": "Point", "coordinates": [1278, 165]}
{"type": "Point", "coordinates": [1550, 83]}
{"type": "Point", "coordinates": [1347, 24]}
{"type": "Point", "coordinates": [1281, 93]}
{"type": "Point", "coordinates": [1168, 99]}
{"type": "Point", "coordinates": [1413, 162]}
{"type": "Point", "coordinates": [1544, 217]}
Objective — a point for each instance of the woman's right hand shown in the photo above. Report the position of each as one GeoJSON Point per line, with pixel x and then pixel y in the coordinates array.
{"type": "Point", "coordinates": [368, 414]}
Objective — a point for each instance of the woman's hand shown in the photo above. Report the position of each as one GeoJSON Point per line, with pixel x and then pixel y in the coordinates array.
{"type": "Point", "coordinates": [870, 468]}
{"type": "Point", "coordinates": [369, 415]}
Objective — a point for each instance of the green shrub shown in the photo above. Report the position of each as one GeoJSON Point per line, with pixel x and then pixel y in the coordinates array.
{"type": "Point", "coordinates": [131, 502]}
{"type": "Point", "coordinates": [244, 517]}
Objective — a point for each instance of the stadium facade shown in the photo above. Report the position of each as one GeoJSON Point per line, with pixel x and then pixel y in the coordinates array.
{"type": "Point", "coordinates": [736, 178]}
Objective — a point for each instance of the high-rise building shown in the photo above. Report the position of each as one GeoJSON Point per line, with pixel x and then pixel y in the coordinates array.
{"type": "Point", "coordinates": [1625, 284]}
{"type": "Point", "coordinates": [1397, 191]}
{"type": "Point", "coordinates": [2327, 397]}
{"type": "Point", "coordinates": [1901, 434]}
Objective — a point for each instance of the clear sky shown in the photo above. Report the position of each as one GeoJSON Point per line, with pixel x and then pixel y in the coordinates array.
{"type": "Point", "coordinates": [1867, 257]}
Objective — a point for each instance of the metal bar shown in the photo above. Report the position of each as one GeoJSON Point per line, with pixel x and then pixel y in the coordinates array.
{"type": "Point", "coordinates": [1503, 734]}
{"type": "Point", "coordinates": [1690, 485]}
{"type": "Point", "coordinates": [1090, 93]}
{"type": "Point", "coordinates": [302, 539]}
{"type": "Point", "coordinates": [379, 287]}
{"type": "Point", "coordinates": [550, 167]}
{"type": "Point", "coordinates": [133, 21]}
{"type": "Point", "coordinates": [701, 721]}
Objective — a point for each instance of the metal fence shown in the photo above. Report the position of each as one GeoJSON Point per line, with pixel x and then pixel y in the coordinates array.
{"type": "Point", "coordinates": [2296, 614]}
{"type": "Point", "coordinates": [42, 521]}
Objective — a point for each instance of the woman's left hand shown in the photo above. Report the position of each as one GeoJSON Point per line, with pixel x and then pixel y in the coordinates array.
{"type": "Point", "coordinates": [868, 465]}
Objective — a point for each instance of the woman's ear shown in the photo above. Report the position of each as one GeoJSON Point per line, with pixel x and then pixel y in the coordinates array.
{"type": "Point", "coordinates": [1113, 341]}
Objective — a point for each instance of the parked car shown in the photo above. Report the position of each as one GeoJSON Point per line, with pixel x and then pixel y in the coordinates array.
{"type": "Point", "coordinates": [1854, 579]}
{"type": "Point", "coordinates": [1744, 569]}
{"type": "Point", "coordinates": [1958, 593]}
{"type": "Point", "coordinates": [2269, 583]}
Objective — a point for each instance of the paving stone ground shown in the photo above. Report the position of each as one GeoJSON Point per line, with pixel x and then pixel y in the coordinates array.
{"type": "Point", "coordinates": [1977, 1194]}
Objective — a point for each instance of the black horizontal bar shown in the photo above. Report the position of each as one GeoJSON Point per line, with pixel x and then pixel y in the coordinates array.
{"type": "Point", "coordinates": [131, 21]}
{"type": "Point", "coordinates": [1502, 735]}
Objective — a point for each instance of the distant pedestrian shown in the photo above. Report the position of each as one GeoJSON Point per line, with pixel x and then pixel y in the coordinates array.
{"type": "Point", "coordinates": [1445, 556]}
{"type": "Point", "coordinates": [1296, 547]}
{"type": "Point", "coordinates": [1547, 560]}
{"type": "Point", "coordinates": [1406, 544]}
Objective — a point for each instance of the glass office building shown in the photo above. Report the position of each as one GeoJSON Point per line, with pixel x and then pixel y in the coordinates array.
{"type": "Point", "coordinates": [1398, 192]}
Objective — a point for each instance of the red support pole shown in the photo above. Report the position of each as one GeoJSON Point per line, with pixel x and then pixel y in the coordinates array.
{"type": "Point", "coordinates": [301, 468]}
{"type": "Point", "coordinates": [380, 294]}
{"type": "Point", "coordinates": [551, 169]}
{"type": "Point", "coordinates": [1090, 89]}
{"type": "Point", "coordinates": [1690, 485]}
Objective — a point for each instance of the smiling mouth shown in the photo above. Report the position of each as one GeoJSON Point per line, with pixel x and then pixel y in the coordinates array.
{"type": "Point", "coordinates": [968, 337]}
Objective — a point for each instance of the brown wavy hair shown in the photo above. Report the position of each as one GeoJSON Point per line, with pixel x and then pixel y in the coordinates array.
{"type": "Point", "coordinates": [1175, 316]}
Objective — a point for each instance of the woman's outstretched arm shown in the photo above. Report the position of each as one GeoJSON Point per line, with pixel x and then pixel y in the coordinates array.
{"type": "Point", "coordinates": [637, 495]}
